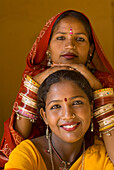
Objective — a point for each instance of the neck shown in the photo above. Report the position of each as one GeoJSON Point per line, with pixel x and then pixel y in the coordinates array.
{"type": "Point", "coordinates": [67, 151]}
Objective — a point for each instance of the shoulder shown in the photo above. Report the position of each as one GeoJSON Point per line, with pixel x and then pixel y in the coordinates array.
{"type": "Point", "coordinates": [105, 78]}
{"type": "Point", "coordinates": [26, 155]}
{"type": "Point", "coordinates": [98, 155]}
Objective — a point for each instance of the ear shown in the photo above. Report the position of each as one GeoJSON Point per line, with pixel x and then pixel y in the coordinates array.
{"type": "Point", "coordinates": [43, 114]}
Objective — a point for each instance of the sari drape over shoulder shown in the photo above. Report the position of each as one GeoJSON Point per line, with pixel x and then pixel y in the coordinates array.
{"type": "Point", "coordinates": [28, 157]}
{"type": "Point", "coordinates": [35, 63]}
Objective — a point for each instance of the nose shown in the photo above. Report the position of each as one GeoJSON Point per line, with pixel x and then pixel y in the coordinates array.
{"type": "Point", "coordinates": [70, 44]}
{"type": "Point", "coordinates": [68, 113]}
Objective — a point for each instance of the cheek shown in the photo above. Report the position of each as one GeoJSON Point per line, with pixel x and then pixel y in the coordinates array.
{"type": "Point", "coordinates": [52, 119]}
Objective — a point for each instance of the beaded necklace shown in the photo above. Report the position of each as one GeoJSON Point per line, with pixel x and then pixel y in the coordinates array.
{"type": "Point", "coordinates": [51, 147]}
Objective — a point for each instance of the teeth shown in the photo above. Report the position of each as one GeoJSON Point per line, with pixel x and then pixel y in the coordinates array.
{"type": "Point", "coordinates": [70, 126]}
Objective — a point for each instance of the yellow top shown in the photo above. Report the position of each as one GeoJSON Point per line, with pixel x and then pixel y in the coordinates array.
{"type": "Point", "coordinates": [27, 157]}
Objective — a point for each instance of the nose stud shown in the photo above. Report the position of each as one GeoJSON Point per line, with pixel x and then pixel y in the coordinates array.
{"type": "Point", "coordinates": [73, 116]}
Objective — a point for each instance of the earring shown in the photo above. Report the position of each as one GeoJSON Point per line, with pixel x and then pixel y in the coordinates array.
{"type": "Point", "coordinates": [89, 58]}
{"type": "Point", "coordinates": [47, 132]}
{"type": "Point", "coordinates": [49, 61]}
{"type": "Point", "coordinates": [91, 125]}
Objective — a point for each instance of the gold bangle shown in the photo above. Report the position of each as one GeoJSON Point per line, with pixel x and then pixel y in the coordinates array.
{"type": "Point", "coordinates": [106, 121]}
{"type": "Point", "coordinates": [28, 101]}
{"type": "Point", "coordinates": [30, 86]}
{"type": "Point", "coordinates": [25, 110]}
{"type": "Point", "coordinates": [103, 92]}
{"type": "Point", "coordinates": [108, 132]}
{"type": "Point", "coordinates": [29, 78]}
{"type": "Point", "coordinates": [18, 117]}
{"type": "Point", "coordinates": [106, 127]}
{"type": "Point", "coordinates": [103, 109]}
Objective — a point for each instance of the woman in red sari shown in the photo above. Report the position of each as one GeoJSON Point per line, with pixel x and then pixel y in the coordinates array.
{"type": "Point", "coordinates": [67, 39]}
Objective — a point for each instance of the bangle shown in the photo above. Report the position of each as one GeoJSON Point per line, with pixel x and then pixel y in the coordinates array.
{"type": "Point", "coordinates": [103, 101]}
{"type": "Point", "coordinates": [103, 93]}
{"type": "Point", "coordinates": [19, 115]}
{"type": "Point", "coordinates": [30, 86]}
{"type": "Point", "coordinates": [29, 78]}
{"type": "Point", "coordinates": [107, 132]}
{"type": "Point", "coordinates": [28, 101]}
{"type": "Point", "coordinates": [103, 109]}
{"type": "Point", "coordinates": [106, 127]}
{"type": "Point", "coordinates": [104, 115]}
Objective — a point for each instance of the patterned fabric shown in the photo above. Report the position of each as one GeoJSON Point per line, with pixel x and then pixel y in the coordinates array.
{"type": "Point", "coordinates": [36, 63]}
{"type": "Point", "coordinates": [27, 157]}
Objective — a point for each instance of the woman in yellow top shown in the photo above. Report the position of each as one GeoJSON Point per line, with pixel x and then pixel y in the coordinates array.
{"type": "Point", "coordinates": [65, 102]}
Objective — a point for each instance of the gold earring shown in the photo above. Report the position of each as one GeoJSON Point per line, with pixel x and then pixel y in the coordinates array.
{"type": "Point", "coordinates": [49, 61]}
{"type": "Point", "coordinates": [91, 125]}
{"type": "Point", "coordinates": [47, 132]}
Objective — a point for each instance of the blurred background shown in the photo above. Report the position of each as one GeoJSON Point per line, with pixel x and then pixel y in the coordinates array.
{"type": "Point", "coordinates": [21, 22]}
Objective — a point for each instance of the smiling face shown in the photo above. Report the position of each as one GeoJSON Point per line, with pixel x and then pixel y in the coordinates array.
{"type": "Point", "coordinates": [70, 47]}
{"type": "Point", "coordinates": [67, 111]}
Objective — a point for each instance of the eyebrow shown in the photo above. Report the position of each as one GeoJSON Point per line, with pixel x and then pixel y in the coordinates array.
{"type": "Point", "coordinates": [53, 101]}
{"type": "Point", "coordinates": [79, 33]}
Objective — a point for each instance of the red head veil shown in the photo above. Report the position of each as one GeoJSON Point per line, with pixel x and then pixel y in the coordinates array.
{"type": "Point", "coordinates": [38, 51]}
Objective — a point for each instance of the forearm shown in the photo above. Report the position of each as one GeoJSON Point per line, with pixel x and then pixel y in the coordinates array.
{"type": "Point", "coordinates": [109, 144]}
{"type": "Point", "coordinates": [23, 127]}
{"type": "Point", "coordinates": [104, 114]}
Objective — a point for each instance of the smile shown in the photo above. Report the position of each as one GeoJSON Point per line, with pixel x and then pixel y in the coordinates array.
{"type": "Point", "coordinates": [70, 127]}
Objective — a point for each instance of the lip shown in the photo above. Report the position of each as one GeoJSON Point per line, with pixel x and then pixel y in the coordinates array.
{"type": "Point", "coordinates": [69, 55]}
{"type": "Point", "coordinates": [71, 126]}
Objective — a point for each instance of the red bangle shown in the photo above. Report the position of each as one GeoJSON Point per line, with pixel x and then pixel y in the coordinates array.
{"type": "Point", "coordinates": [103, 101]}
{"type": "Point", "coordinates": [105, 115]}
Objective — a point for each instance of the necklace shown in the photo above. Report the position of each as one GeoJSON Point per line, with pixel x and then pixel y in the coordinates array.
{"type": "Point", "coordinates": [51, 147]}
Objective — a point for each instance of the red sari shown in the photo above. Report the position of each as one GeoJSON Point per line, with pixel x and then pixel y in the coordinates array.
{"type": "Point", "coordinates": [35, 63]}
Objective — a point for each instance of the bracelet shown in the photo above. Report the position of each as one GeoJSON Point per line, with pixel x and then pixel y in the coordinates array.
{"type": "Point", "coordinates": [28, 101]}
{"type": "Point", "coordinates": [103, 109]}
{"type": "Point", "coordinates": [29, 93]}
{"type": "Point", "coordinates": [102, 93]}
{"type": "Point", "coordinates": [104, 115]}
{"type": "Point", "coordinates": [29, 78]}
{"type": "Point", "coordinates": [18, 117]}
{"type": "Point", "coordinates": [106, 121]}
{"type": "Point", "coordinates": [22, 110]}
{"type": "Point", "coordinates": [30, 86]}
{"type": "Point", "coordinates": [107, 132]}
{"type": "Point", "coordinates": [103, 101]}
{"type": "Point", "coordinates": [106, 127]}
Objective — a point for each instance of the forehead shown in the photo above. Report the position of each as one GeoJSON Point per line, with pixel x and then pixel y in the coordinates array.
{"type": "Point", "coordinates": [69, 22]}
{"type": "Point", "coordinates": [64, 89]}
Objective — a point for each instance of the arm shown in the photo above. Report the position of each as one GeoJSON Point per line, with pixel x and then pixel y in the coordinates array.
{"type": "Point", "coordinates": [109, 144]}
{"type": "Point", "coordinates": [23, 127]}
{"type": "Point", "coordinates": [104, 114]}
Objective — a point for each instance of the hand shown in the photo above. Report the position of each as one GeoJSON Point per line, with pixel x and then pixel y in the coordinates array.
{"type": "Point", "coordinates": [42, 76]}
{"type": "Point", "coordinates": [93, 81]}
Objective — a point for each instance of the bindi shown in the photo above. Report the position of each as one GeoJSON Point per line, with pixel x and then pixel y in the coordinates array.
{"type": "Point", "coordinates": [65, 99]}
{"type": "Point", "coordinates": [71, 33]}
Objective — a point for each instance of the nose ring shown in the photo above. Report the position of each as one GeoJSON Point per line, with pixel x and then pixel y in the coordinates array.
{"type": "Point", "coordinates": [74, 46]}
{"type": "Point", "coordinates": [73, 116]}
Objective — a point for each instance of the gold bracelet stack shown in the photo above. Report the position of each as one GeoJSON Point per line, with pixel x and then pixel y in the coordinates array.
{"type": "Point", "coordinates": [104, 110]}
{"type": "Point", "coordinates": [28, 100]}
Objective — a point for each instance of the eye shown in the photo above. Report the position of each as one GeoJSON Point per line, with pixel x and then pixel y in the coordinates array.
{"type": "Point", "coordinates": [55, 107]}
{"type": "Point", "coordinates": [80, 39]}
{"type": "Point", "coordinates": [60, 38]}
{"type": "Point", "coordinates": [77, 102]}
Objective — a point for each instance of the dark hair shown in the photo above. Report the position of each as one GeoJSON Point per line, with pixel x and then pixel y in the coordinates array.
{"type": "Point", "coordinates": [79, 16]}
{"type": "Point", "coordinates": [58, 76]}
